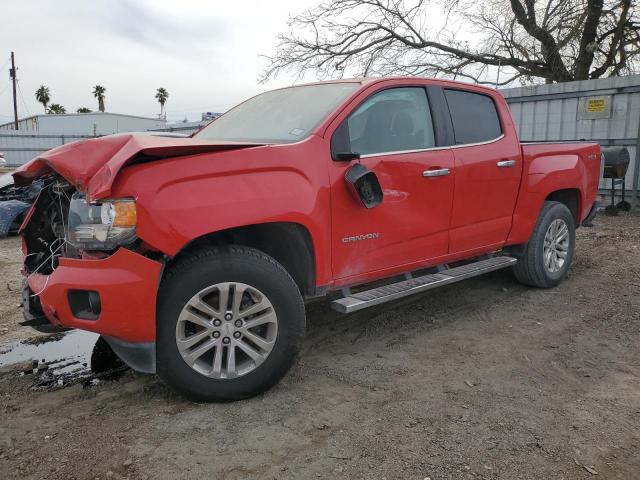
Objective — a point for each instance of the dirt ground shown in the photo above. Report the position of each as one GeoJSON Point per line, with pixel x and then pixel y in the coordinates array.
{"type": "Point", "coordinates": [485, 379]}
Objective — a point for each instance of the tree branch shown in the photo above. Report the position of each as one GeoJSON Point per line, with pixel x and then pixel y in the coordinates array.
{"type": "Point", "coordinates": [554, 40]}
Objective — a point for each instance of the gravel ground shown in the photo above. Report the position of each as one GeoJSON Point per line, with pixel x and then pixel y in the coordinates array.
{"type": "Point", "coordinates": [485, 379]}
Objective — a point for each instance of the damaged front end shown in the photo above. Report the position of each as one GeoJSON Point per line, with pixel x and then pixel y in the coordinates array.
{"type": "Point", "coordinates": [44, 228]}
{"type": "Point", "coordinates": [43, 233]}
{"type": "Point", "coordinates": [86, 269]}
{"type": "Point", "coordinates": [62, 223]}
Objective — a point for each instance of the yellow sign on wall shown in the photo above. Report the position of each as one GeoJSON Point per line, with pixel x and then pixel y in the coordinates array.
{"type": "Point", "coordinates": [596, 105]}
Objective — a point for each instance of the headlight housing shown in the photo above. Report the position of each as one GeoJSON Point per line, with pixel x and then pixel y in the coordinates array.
{"type": "Point", "coordinates": [102, 225]}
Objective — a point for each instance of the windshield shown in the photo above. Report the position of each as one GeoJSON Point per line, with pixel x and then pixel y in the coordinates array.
{"type": "Point", "coordinates": [279, 116]}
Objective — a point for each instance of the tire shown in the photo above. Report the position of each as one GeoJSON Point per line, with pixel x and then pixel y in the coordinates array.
{"type": "Point", "coordinates": [533, 266]}
{"type": "Point", "coordinates": [105, 362]}
{"type": "Point", "coordinates": [250, 278]}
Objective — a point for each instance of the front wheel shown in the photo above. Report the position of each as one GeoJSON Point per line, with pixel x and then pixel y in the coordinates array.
{"type": "Point", "coordinates": [230, 324]}
{"type": "Point", "coordinates": [548, 254]}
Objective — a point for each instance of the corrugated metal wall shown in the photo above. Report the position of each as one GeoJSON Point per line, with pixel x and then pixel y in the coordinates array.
{"type": "Point", "coordinates": [43, 132]}
{"type": "Point", "coordinates": [96, 123]}
{"type": "Point", "coordinates": [604, 110]}
{"type": "Point", "coordinates": [20, 147]}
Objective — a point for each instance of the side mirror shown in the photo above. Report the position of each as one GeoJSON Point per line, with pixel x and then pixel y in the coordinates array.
{"type": "Point", "coordinates": [364, 185]}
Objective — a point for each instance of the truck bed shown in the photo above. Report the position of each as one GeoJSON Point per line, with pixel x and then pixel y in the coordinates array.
{"type": "Point", "coordinates": [569, 158]}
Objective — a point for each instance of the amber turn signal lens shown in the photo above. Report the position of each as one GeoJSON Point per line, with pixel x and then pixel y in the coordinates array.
{"type": "Point", "coordinates": [125, 214]}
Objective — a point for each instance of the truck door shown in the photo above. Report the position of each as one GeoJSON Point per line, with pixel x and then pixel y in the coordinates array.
{"type": "Point", "coordinates": [393, 132]}
{"type": "Point", "coordinates": [488, 165]}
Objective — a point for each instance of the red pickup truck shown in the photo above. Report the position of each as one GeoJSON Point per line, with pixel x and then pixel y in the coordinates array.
{"type": "Point", "coordinates": [193, 256]}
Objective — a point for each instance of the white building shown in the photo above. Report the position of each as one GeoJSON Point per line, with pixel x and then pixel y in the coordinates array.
{"type": "Point", "coordinates": [93, 124]}
{"type": "Point", "coordinates": [188, 128]}
{"type": "Point", "coordinates": [40, 133]}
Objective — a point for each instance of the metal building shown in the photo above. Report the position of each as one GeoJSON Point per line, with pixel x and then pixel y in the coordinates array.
{"type": "Point", "coordinates": [20, 146]}
{"type": "Point", "coordinates": [94, 124]}
{"type": "Point", "coordinates": [604, 110]}
{"type": "Point", "coordinates": [183, 128]}
{"type": "Point", "coordinates": [40, 133]}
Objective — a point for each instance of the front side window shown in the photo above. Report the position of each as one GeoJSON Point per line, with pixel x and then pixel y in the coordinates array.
{"type": "Point", "coordinates": [390, 121]}
{"type": "Point", "coordinates": [279, 116]}
{"type": "Point", "coordinates": [475, 118]}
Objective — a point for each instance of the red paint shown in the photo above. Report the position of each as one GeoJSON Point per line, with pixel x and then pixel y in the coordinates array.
{"type": "Point", "coordinates": [126, 283]}
{"type": "Point", "coordinates": [200, 187]}
{"type": "Point", "coordinates": [550, 168]}
{"type": "Point", "coordinates": [93, 164]}
{"type": "Point", "coordinates": [413, 219]}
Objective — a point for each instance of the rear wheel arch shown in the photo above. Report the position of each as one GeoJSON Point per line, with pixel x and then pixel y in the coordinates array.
{"type": "Point", "coordinates": [289, 243]}
{"type": "Point", "coordinates": [571, 198]}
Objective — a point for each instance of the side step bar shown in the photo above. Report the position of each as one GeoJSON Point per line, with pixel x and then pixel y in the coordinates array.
{"type": "Point", "coordinates": [376, 296]}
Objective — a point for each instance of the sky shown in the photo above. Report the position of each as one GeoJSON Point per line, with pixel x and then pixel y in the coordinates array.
{"type": "Point", "coordinates": [206, 53]}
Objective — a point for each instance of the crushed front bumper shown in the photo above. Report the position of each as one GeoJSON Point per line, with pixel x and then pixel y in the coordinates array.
{"type": "Point", "coordinates": [126, 285]}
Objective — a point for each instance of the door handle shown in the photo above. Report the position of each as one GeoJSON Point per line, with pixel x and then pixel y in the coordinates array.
{"type": "Point", "coordinates": [506, 163]}
{"type": "Point", "coordinates": [440, 172]}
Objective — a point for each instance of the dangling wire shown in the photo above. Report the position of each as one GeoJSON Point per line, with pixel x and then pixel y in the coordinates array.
{"type": "Point", "coordinates": [60, 242]}
{"type": "Point", "coordinates": [53, 252]}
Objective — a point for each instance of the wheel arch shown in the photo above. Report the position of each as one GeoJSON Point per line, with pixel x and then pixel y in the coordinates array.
{"type": "Point", "coordinates": [531, 200]}
{"type": "Point", "coordinates": [289, 243]}
{"type": "Point", "coordinates": [571, 198]}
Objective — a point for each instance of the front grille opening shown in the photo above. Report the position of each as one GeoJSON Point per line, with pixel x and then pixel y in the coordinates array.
{"type": "Point", "coordinates": [44, 234]}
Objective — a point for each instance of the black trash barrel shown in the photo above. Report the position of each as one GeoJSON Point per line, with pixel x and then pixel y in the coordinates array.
{"type": "Point", "coordinates": [616, 162]}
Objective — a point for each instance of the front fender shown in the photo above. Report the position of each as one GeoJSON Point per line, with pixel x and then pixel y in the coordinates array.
{"type": "Point", "coordinates": [187, 208]}
{"type": "Point", "coordinates": [181, 199]}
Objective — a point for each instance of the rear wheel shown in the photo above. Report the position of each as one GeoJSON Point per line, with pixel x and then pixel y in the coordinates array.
{"type": "Point", "coordinates": [549, 252]}
{"type": "Point", "coordinates": [230, 324]}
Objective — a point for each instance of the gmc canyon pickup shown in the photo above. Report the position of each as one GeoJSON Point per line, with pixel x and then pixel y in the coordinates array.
{"type": "Point", "coordinates": [193, 257]}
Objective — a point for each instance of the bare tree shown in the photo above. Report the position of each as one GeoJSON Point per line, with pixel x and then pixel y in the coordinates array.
{"type": "Point", "coordinates": [555, 40]}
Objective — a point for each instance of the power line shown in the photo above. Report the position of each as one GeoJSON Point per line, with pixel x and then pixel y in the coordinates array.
{"type": "Point", "coordinates": [24, 104]}
{"type": "Point", "coordinates": [8, 85]}
{"type": "Point", "coordinates": [4, 89]}
{"type": "Point", "coordinates": [4, 65]}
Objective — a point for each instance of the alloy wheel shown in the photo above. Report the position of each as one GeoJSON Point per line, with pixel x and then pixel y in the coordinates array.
{"type": "Point", "coordinates": [556, 245]}
{"type": "Point", "coordinates": [226, 330]}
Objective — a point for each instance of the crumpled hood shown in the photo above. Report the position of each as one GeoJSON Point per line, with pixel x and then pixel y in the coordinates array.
{"type": "Point", "coordinates": [92, 165]}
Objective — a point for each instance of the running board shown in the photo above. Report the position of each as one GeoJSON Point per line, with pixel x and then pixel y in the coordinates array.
{"type": "Point", "coordinates": [376, 296]}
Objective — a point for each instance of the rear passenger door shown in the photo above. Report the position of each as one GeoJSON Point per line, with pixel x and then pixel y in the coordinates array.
{"type": "Point", "coordinates": [488, 167]}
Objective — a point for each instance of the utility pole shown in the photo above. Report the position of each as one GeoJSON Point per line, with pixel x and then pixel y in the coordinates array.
{"type": "Point", "coordinates": [12, 74]}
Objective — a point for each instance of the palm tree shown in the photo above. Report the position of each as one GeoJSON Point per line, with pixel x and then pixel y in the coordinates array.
{"type": "Point", "coordinates": [162, 95]}
{"type": "Point", "coordinates": [98, 92]}
{"type": "Point", "coordinates": [56, 109]}
{"type": "Point", "coordinates": [83, 110]}
{"type": "Point", "coordinates": [43, 96]}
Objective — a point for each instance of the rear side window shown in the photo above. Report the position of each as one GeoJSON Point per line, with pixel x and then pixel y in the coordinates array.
{"type": "Point", "coordinates": [475, 118]}
{"type": "Point", "coordinates": [393, 120]}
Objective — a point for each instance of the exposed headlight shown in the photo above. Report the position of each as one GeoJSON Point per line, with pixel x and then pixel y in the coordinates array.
{"type": "Point", "coordinates": [102, 225]}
